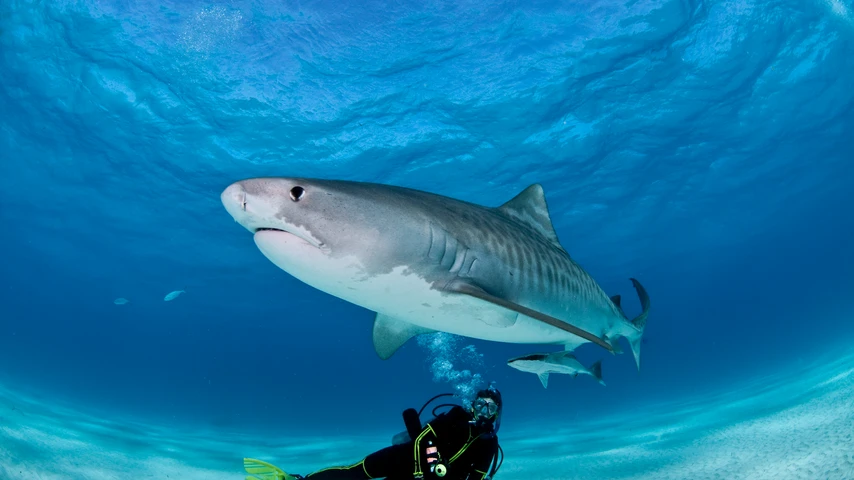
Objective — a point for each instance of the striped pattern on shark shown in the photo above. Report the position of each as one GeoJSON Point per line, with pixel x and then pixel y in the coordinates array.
{"type": "Point", "coordinates": [425, 262]}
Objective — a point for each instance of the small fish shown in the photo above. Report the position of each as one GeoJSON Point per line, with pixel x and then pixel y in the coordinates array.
{"type": "Point", "coordinates": [121, 301]}
{"type": "Point", "coordinates": [173, 295]}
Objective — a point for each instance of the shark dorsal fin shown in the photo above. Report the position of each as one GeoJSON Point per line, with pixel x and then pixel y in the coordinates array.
{"type": "Point", "coordinates": [529, 208]}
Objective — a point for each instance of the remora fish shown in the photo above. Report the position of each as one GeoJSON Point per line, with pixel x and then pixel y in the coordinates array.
{"type": "Point", "coordinates": [426, 262]}
{"type": "Point", "coordinates": [542, 364]}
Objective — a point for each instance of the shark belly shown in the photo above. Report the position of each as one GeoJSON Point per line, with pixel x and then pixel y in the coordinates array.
{"type": "Point", "coordinates": [405, 295]}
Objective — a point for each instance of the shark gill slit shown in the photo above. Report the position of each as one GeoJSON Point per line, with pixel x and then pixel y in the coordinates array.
{"type": "Point", "coordinates": [436, 242]}
{"type": "Point", "coordinates": [464, 260]}
{"type": "Point", "coordinates": [468, 270]}
{"type": "Point", "coordinates": [459, 259]}
{"type": "Point", "coordinates": [450, 255]}
{"type": "Point", "coordinates": [432, 243]}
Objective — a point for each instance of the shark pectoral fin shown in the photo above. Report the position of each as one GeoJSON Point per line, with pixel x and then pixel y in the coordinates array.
{"type": "Point", "coordinates": [390, 334]}
{"type": "Point", "coordinates": [477, 292]}
{"type": "Point", "coordinates": [544, 379]}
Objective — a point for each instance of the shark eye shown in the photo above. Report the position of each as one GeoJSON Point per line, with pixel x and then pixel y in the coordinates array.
{"type": "Point", "coordinates": [297, 193]}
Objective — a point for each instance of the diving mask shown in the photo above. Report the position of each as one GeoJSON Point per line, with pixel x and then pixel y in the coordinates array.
{"type": "Point", "coordinates": [485, 407]}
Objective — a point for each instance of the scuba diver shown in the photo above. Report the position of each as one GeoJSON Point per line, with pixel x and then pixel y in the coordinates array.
{"type": "Point", "coordinates": [459, 444]}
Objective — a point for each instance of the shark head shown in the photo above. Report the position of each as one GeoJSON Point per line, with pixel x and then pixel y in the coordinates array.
{"type": "Point", "coordinates": [532, 363]}
{"type": "Point", "coordinates": [294, 217]}
{"type": "Point", "coordinates": [329, 234]}
{"type": "Point", "coordinates": [281, 212]}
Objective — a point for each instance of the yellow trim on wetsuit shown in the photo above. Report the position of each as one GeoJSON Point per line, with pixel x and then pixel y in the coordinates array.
{"type": "Point", "coordinates": [465, 446]}
{"type": "Point", "coordinates": [361, 462]}
{"type": "Point", "coordinates": [462, 450]}
{"type": "Point", "coordinates": [482, 474]}
{"type": "Point", "coordinates": [429, 429]}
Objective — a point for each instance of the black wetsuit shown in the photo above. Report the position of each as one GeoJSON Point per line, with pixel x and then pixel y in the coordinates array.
{"type": "Point", "coordinates": [466, 450]}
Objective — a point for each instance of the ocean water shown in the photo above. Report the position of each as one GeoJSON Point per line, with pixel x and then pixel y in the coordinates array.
{"type": "Point", "coordinates": [704, 148]}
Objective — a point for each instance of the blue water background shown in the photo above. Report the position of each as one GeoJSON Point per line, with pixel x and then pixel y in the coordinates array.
{"type": "Point", "coordinates": [704, 148]}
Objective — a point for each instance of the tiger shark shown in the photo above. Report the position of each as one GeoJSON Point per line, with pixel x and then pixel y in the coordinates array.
{"type": "Point", "coordinates": [426, 263]}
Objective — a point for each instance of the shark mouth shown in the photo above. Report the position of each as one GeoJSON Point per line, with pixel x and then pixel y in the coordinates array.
{"type": "Point", "coordinates": [278, 231]}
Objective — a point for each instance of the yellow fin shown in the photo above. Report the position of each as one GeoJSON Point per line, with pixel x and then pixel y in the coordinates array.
{"type": "Point", "coordinates": [261, 470]}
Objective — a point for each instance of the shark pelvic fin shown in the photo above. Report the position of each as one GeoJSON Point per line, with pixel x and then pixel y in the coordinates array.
{"type": "Point", "coordinates": [477, 292]}
{"type": "Point", "coordinates": [544, 379]}
{"type": "Point", "coordinates": [530, 209]}
{"type": "Point", "coordinates": [615, 344]}
{"type": "Point", "coordinates": [390, 334]}
{"type": "Point", "coordinates": [596, 372]}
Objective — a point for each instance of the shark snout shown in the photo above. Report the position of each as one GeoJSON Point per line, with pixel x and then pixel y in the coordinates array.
{"type": "Point", "coordinates": [234, 200]}
{"type": "Point", "coordinates": [253, 206]}
{"type": "Point", "coordinates": [250, 211]}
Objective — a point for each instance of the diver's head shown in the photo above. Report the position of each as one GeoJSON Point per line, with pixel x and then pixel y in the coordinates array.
{"type": "Point", "coordinates": [486, 408]}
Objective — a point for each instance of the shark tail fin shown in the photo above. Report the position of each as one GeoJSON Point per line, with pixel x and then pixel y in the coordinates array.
{"type": "Point", "coordinates": [596, 371]}
{"type": "Point", "coordinates": [639, 323]}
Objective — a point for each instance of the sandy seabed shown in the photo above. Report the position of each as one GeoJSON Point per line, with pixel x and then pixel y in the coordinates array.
{"type": "Point", "coordinates": [798, 425]}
